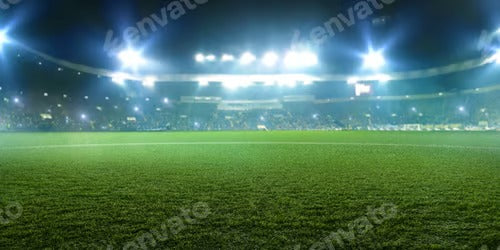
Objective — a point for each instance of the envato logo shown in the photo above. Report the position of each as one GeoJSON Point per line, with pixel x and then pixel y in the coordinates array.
{"type": "Point", "coordinates": [10, 213]}
{"type": "Point", "coordinates": [172, 227]}
{"type": "Point", "coordinates": [357, 228]}
{"type": "Point", "coordinates": [142, 29]}
{"type": "Point", "coordinates": [6, 4]}
{"type": "Point", "coordinates": [337, 24]}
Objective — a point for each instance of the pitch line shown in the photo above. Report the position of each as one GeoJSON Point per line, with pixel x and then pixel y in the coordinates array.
{"type": "Point", "coordinates": [63, 146]}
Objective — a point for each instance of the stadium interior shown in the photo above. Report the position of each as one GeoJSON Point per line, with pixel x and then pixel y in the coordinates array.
{"type": "Point", "coordinates": [249, 124]}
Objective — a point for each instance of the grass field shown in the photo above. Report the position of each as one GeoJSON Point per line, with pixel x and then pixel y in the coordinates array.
{"type": "Point", "coordinates": [249, 190]}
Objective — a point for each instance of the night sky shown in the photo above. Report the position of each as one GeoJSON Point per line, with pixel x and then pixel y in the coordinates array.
{"type": "Point", "coordinates": [415, 34]}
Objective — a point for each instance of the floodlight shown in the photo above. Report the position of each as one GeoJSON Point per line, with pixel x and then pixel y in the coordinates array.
{"type": "Point", "coordinates": [247, 58]}
{"type": "Point", "coordinates": [210, 58]}
{"type": "Point", "coordinates": [165, 100]}
{"type": "Point", "coordinates": [304, 59]}
{"type": "Point", "coordinates": [131, 58]}
{"type": "Point", "coordinates": [136, 109]}
{"type": "Point", "coordinates": [16, 100]}
{"type": "Point", "coordinates": [309, 59]}
{"type": "Point", "coordinates": [3, 37]}
{"type": "Point", "coordinates": [227, 58]}
{"type": "Point", "coordinates": [461, 108]}
{"type": "Point", "coordinates": [199, 58]}
{"type": "Point", "coordinates": [119, 78]}
{"type": "Point", "coordinates": [270, 59]}
{"type": "Point", "coordinates": [230, 85]}
{"type": "Point", "coordinates": [83, 116]}
{"type": "Point", "coordinates": [414, 109]}
{"type": "Point", "coordinates": [203, 83]}
{"type": "Point", "coordinates": [374, 60]}
{"type": "Point", "coordinates": [149, 82]}
{"type": "Point", "coordinates": [45, 94]}
{"type": "Point", "coordinates": [497, 57]}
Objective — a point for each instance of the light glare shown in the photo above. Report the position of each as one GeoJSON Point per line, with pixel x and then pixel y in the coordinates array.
{"type": "Point", "coordinates": [199, 58]}
{"type": "Point", "coordinates": [304, 59]}
{"type": "Point", "coordinates": [247, 58]}
{"type": "Point", "coordinates": [374, 60]}
{"type": "Point", "coordinates": [270, 59]}
{"type": "Point", "coordinates": [149, 82]}
{"type": "Point", "coordinates": [131, 58]}
{"type": "Point", "coordinates": [227, 58]}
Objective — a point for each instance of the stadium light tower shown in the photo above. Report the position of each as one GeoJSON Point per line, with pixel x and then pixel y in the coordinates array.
{"type": "Point", "coordinates": [374, 60]}
{"type": "Point", "coordinates": [131, 58]}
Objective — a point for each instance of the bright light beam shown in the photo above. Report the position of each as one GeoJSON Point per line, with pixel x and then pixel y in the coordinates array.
{"type": "Point", "coordinates": [227, 58]}
{"type": "Point", "coordinates": [303, 59]}
{"type": "Point", "coordinates": [270, 59]}
{"type": "Point", "coordinates": [374, 60]}
{"type": "Point", "coordinates": [3, 37]}
{"type": "Point", "coordinates": [131, 59]}
{"type": "Point", "coordinates": [211, 58]}
{"type": "Point", "coordinates": [119, 78]}
{"type": "Point", "coordinates": [247, 58]}
{"type": "Point", "coordinates": [199, 58]}
{"type": "Point", "coordinates": [149, 82]}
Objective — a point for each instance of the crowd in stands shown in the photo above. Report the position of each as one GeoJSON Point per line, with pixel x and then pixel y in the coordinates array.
{"type": "Point", "coordinates": [124, 114]}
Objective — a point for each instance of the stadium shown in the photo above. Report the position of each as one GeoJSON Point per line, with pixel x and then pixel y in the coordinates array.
{"type": "Point", "coordinates": [249, 124]}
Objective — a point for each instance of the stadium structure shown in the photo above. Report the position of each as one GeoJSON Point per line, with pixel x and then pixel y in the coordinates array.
{"type": "Point", "coordinates": [208, 125]}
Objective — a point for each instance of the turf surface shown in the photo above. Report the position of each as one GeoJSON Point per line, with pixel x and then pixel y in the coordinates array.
{"type": "Point", "coordinates": [278, 190]}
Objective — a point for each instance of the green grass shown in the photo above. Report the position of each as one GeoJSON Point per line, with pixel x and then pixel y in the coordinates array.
{"type": "Point", "coordinates": [261, 196]}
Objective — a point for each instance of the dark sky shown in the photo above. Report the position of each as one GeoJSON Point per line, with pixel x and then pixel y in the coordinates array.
{"type": "Point", "coordinates": [417, 33]}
